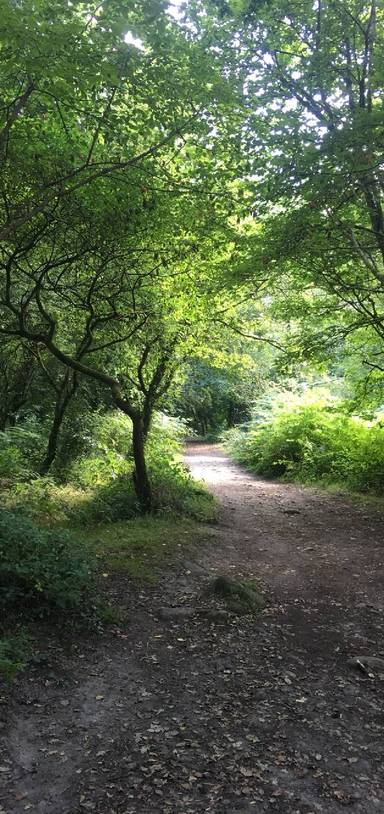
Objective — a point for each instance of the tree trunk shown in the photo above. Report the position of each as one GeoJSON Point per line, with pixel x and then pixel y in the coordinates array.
{"type": "Point", "coordinates": [66, 391]}
{"type": "Point", "coordinates": [140, 477]}
{"type": "Point", "coordinates": [147, 419]}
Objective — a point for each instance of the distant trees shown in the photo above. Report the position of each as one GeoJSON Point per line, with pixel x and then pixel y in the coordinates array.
{"type": "Point", "coordinates": [214, 398]}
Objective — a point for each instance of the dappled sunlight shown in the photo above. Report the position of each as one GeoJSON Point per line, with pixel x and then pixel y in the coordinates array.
{"type": "Point", "coordinates": [191, 217]}
{"type": "Point", "coordinates": [213, 469]}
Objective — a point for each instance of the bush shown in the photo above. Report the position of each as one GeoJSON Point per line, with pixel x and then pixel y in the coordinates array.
{"type": "Point", "coordinates": [109, 472]}
{"type": "Point", "coordinates": [47, 502]}
{"type": "Point", "coordinates": [41, 569]}
{"type": "Point", "coordinates": [105, 451]}
{"type": "Point", "coordinates": [176, 491]}
{"type": "Point", "coordinates": [20, 448]}
{"type": "Point", "coordinates": [312, 444]}
{"type": "Point", "coordinates": [14, 654]}
{"type": "Point", "coordinates": [111, 501]}
{"type": "Point", "coordinates": [12, 464]}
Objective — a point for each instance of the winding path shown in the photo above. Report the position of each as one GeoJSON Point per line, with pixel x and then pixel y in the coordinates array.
{"type": "Point", "coordinates": [237, 715]}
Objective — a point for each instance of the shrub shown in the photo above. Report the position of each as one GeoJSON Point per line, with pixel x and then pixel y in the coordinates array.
{"type": "Point", "coordinates": [176, 491]}
{"type": "Point", "coordinates": [40, 568]}
{"type": "Point", "coordinates": [111, 501]}
{"type": "Point", "coordinates": [109, 472]}
{"type": "Point", "coordinates": [105, 451]}
{"type": "Point", "coordinates": [14, 654]}
{"type": "Point", "coordinates": [99, 468]}
{"type": "Point", "coordinates": [20, 448]}
{"type": "Point", "coordinates": [312, 443]}
{"type": "Point", "coordinates": [12, 464]}
{"type": "Point", "coordinates": [47, 502]}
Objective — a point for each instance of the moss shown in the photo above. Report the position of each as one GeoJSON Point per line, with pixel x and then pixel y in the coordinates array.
{"type": "Point", "coordinates": [240, 596]}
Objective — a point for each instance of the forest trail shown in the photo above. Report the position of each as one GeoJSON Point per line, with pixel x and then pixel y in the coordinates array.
{"type": "Point", "coordinates": [237, 715]}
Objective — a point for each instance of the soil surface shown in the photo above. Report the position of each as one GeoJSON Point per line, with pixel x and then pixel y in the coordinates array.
{"type": "Point", "coordinates": [213, 712]}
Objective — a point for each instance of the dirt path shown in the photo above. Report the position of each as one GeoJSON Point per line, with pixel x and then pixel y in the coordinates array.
{"type": "Point", "coordinates": [244, 714]}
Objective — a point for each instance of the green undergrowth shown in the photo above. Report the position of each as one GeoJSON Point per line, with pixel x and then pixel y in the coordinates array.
{"type": "Point", "coordinates": [42, 571]}
{"type": "Point", "coordinates": [314, 444]}
{"type": "Point", "coordinates": [365, 500]}
{"type": "Point", "coordinates": [94, 484]}
{"type": "Point", "coordinates": [60, 578]}
{"type": "Point", "coordinates": [15, 652]}
{"type": "Point", "coordinates": [47, 502]}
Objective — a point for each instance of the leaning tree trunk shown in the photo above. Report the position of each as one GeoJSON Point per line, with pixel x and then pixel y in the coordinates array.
{"type": "Point", "coordinates": [65, 393]}
{"type": "Point", "coordinates": [140, 476]}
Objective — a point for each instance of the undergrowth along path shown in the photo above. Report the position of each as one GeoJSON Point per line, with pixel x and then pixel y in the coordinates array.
{"type": "Point", "coordinates": [231, 715]}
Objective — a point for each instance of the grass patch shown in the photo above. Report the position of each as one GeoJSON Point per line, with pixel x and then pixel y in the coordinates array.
{"type": "Point", "coordinates": [364, 500]}
{"type": "Point", "coordinates": [61, 533]}
{"type": "Point", "coordinates": [44, 501]}
{"type": "Point", "coordinates": [139, 547]}
{"type": "Point", "coordinates": [52, 504]}
{"type": "Point", "coordinates": [109, 614]}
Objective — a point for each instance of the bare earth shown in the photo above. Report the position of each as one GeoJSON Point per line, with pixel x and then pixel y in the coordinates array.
{"type": "Point", "coordinates": [234, 714]}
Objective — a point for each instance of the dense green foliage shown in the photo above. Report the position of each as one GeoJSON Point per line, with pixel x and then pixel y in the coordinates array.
{"type": "Point", "coordinates": [213, 398]}
{"type": "Point", "coordinates": [314, 444]}
{"type": "Point", "coordinates": [40, 568]}
{"type": "Point", "coordinates": [14, 654]}
{"type": "Point", "coordinates": [96, 485]}
{"type": "Point", "coordinates": [20, 448]}
{"type": "Point", "coordinates": [103, 231]}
